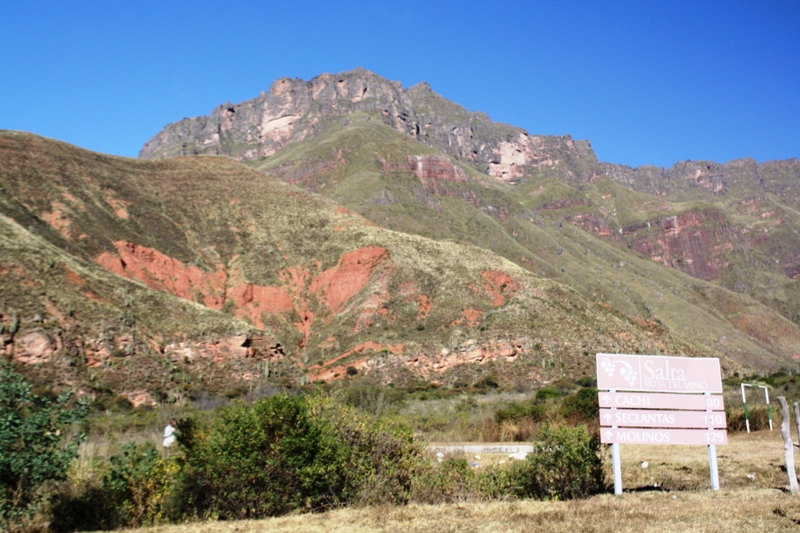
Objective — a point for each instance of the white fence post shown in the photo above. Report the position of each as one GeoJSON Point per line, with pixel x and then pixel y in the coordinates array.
{"type": "Point", "coordinates": [788, 446]}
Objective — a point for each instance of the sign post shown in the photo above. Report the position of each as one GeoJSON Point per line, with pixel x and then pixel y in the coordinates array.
{"type": "Point", "coordinates": [661, 400]}
{"type": "Point", "coordinates": [616, 465]}
{"type": "Point", "coordinates": [712, 457]}
{"type": "Point", "coordinates": [744, 403]}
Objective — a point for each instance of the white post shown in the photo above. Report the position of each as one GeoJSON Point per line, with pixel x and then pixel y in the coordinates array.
{"type": "Point", "coordinates": [712, 458]}
{"type": "Point", "coordinates": [769, 409]}
{"type": "Point", "coordinates": [615, 462]}
{"type": "Point", "coordinates": [744, 403]}
{"type": "Point", "coordinates": [797, 419]}
{"type": "Point", "coordinates": [788, 446]}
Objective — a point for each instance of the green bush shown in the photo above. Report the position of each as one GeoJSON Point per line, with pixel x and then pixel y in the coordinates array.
{"type": "Point", "coordinates": [515, 411]}
{"type": "Point", "coordinates": [502, 482]}
{"type": "Point", "coordinates": [545, 393]}
{"type": "Point", "coordinates": [382, 458]}
{"type": "Point", "coordinates": [135, 489]}
{"type": "Point", "coordinates": [34, 445]}
{"type": "Point", "coordinates": [565, 464]}
{"type": "Point", "coordinates": [446, 482]}
{"type": "Point", "coordinates": [292, 453]}
{"type": "Point", "coordinates": [582, 405]}
{"type": "Point", "coordinates": [138, 483]}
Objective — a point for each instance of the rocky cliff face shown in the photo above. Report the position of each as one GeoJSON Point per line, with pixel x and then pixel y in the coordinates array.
{"type": "Point", "coordinates": [739, 175]}
{"type": "Point", "coordinates": [290, 110]}
{"type": "Point", "coordinates": [294, 109]}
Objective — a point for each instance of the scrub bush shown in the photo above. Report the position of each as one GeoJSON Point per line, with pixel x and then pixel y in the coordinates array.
{"type": "Point", "coordinates": [545, 393]}
{"type": "Point", "coordinates": [34, 445]}
{"type": "Point", "coordinates": [565, 464]}
{"type": "Point", "coordinates": [292, 453]}
{"type": "Point", "coordinates": [582, 405]}
{"type": "Point", "coordinates": [450, 481]}
{"type": "Point", "coordinates": [515, 412]}
{"type": "Point", "coordinates": [135, 489]}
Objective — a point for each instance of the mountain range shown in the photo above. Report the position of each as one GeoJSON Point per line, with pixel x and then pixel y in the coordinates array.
{"type": "Point", "coordinates": [347, 226]}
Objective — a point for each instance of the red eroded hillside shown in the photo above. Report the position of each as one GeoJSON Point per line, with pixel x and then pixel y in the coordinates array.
{"type": "Point", "coordinates": [306, 293]}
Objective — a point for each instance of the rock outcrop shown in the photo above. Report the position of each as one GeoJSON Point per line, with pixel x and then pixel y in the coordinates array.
{"type": "Point", "coordinates": [294, 109]}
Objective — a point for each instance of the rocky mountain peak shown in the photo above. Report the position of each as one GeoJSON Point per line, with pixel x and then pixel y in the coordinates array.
{"type": "Point", "coordinates": [294, 109]}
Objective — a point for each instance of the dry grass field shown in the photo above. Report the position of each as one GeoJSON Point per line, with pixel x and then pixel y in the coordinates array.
{"type": "Point", "coordinates": [760, 510]}
{"type": "Point", "coordinates": [753, 497]}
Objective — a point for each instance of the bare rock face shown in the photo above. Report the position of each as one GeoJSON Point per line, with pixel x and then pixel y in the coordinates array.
{"type": "Point", "coordinates": [694, 242]}
{"type": "Point", "coordinates": [291, 110]}
{"type": "Point", "coordinates": [716, 178]}
{"type": "Point", "coordinates": [294, 109]}
{"type": "Point", "coordinates": [34, 347]}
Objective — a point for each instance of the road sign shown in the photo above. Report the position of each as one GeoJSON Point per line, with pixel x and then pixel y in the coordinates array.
{"type": "Point", "coordinates": [645, 400]}
{"type": "Point", "coordinates": [685, 385]}
{"type": "Point", "coordinates": [653, 373]}
{"type": "Point", "coordinates": [650, 418]}
{"type": "Point", "coordinates": [662, 436]}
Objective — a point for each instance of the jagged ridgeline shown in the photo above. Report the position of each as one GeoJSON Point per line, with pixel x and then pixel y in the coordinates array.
{"type": "Point", "coordinates": [371, 230]}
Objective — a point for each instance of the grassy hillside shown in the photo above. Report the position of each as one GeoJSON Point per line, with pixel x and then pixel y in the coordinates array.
{"type": "Point", "coordinates": [230, 279]}
{"type": "Point", "coordinates": [583, 235]}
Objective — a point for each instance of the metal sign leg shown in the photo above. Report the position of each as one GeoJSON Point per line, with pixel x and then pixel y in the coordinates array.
{"type": "Point", "coordinates": [616, 466]}
{"type": "Point", "coordinates": [617, 469]}
{"type": "Point", "coordinates": [712, 460]}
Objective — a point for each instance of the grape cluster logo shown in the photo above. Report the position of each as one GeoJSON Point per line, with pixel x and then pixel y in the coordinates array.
{"type": "Point", "coordinates": [626, 370]}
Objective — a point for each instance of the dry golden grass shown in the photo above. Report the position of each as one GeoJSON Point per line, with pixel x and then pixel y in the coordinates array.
{"type": "Point", "coordinates": [684, 468]}
{"type": "Point", "coordinates": [743, 510]}
{"type": "Point", "coordinates": [758, 455]}
{"type": "Point", "coordinates": [682, 501]}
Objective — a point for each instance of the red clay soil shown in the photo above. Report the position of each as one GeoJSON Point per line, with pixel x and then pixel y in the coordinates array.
{"type": "Point", "coordinates": [499, 285]}
{"type": "Point", "coordinates": [163, 273]}
{"type": "Point", "coordinates": [338, 284]}
{"type": "Point", "coordinates": [348, 277]}
{"type": "Point", "coordinates": [324, 372]}
{"type": "Point", "coordinates": [410, 291]}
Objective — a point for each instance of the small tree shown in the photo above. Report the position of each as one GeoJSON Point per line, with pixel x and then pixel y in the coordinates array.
{"type": "Point", "coordinates": [565, 464]}
{"type": "Point", "coordinates": [34, 447]}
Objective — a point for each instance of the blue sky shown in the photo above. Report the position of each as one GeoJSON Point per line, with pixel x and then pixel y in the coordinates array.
{"type": "Point", "coordinates": [647, 82]}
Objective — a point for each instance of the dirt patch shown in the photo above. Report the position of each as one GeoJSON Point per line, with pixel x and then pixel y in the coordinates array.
{"type": "Point", "coordinates": [58, 219]}
{"type": "Point", "coordinates": [499, 285]}
{"type": "Point", "coordinates": [340, 371]}
{"type": "Point", "coordinates": [324, 372]}
{"type": "Point", "coordinates": [163, 273]}
{"type": "Point", "coordinates": [472, 316]}
{"type": "Point", "coordinates": [73, 278]}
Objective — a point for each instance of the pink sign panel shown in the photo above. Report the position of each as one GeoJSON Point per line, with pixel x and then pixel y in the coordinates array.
{"type": "Point", "coordinates": [662, 436]}
{"type": "Point", "coordinates": [662, 419]}
{"type": "Point", "coordinates": [645, 400]}
{"type": "Point", "coordinates": [658, 373]}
